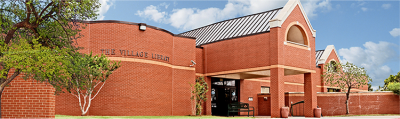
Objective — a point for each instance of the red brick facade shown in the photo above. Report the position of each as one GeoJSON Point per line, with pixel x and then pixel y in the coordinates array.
{"type": "Point", "coordinates": [156, 72]}
{"type": "Point", "coordinates": [142, 85]}
{"type": "Point", "coordinates": [334, 103]}
{"type": "Point", "coordinates": [22, 99]}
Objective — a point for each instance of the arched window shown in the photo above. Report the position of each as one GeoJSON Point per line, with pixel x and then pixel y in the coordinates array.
{"type": "Point", "coordinates": [332, 66]}
{"type": "Point", "coordinates": [297, 36]}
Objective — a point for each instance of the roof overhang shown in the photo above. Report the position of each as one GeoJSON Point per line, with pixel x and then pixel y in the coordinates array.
{"type": "Point", "coordinates": [285, 12]}
{"type": "Point", "coordinates": [258, 72]}
{"type": "Point", "coordinates": [326, 54]}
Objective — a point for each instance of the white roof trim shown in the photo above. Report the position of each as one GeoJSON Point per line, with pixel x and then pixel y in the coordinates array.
{"type": "Point", "coordinates": [326, 54]}
{"type": "Point", "coordinates": [285, 12]}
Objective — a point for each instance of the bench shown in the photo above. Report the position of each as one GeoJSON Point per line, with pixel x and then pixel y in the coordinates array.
{"type": "Point", "coordinates": [240, 107]}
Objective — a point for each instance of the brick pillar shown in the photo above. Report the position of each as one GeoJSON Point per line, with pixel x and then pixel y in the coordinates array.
{"type": "Point", "coordinates": [277, 92]}
{"type": "Point", "coordinates": [207, 104]}
{"type": "Point", "coordinates": [310, 94]}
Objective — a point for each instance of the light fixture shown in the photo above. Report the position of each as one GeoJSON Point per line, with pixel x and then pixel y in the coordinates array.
{"type": "Point", "coordinates": [193, 63]}
{"type": "Point", "coordinates": [142, 26]}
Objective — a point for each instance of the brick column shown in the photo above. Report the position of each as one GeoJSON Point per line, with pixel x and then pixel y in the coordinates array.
{"type": "Point", "coordinates": [207, 104]}
{"type": "Point", "coordinates": [277, 92]}
{"type": "Point", "coordinates": [310, 94]}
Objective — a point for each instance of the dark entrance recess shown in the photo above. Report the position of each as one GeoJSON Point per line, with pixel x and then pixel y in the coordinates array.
{"type": "Point", "coordinates": [223, 92]}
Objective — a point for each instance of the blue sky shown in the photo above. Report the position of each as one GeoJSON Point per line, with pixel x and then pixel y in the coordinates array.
{"type": "Point", "coordinates": [366, 33]}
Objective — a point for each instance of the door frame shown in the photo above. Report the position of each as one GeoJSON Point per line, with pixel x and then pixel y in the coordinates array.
{"type": "Point", "coordinates": [237, 86]}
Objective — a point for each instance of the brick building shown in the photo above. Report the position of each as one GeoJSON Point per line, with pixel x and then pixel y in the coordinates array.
{"type": "Point", "coordinates": [272, 51]}
{"type": "Point", "coordinates": [266, 59]}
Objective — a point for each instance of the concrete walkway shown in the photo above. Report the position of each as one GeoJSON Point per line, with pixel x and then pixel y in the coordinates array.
{"type": "Point", "coordinates": [350, 117]}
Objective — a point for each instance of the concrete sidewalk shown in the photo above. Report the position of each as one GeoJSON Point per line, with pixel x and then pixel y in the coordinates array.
{"type": "Point", "coordinates": [349, 117]}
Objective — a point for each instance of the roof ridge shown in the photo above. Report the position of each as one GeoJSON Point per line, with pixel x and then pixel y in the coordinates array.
{"type": "Point", "coordinates": [232, 19]}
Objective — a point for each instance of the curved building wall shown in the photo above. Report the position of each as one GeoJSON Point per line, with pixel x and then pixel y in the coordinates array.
{"type": "Point", "coordinates": [153, 78]}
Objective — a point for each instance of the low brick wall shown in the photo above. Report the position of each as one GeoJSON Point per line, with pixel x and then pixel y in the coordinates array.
{"type": "Point", "coordinates": [333, 103]}
{"type": "Point", "coordinates": [22, 99]}
{"type": "Point", "coordinates": [360, 103]}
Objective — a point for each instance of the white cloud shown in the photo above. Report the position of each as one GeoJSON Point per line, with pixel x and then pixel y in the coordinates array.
{"type": "Point", "coordinates": [152, 13]}
{"type": "Point", "coordinates": [191, 18]}
{"type": "Point", "coordinates": [164, 5]}
{"type": "Point", "coordinates": [386, 6]}
{"type": "Point", "coordinates": [311, 7]}
{"type": "Point", "coordinates": [361, 3]}
{"type": "Point", "coordinates": [395, 32]}
{"type": "Point", "coordinates": [374, 88]}
{"type": "Point", "coordinates": [373, 58]}
{"type": "Point", "coordinates": [364, 9]}
{"type": "Point", "coordinates": [105, 5]}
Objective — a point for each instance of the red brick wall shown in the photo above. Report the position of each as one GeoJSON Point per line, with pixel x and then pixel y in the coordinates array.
{"type": "Point", "coordinates": [239, 53]}
{"type": "Point", "coordinates": [22, 99]}
{"type": "Point", "coordinates": [292, 98]}
{"type": "Point", "coordinates": [158, 88]}
{"type": "Point", "coordinates": [360, 103]}
{"type": "Point", "coordinates": [199, 61]}
{"type": "Point", "coordinates": [249, 88]}
{"type": "Point", "coordinates": [264, 106]}
{"type": "Point", "coordinates": [333, 56]}
{"type": "Point", "coordinates": [295, 56]}
{"type": "Point", "coordinates": [334, 103]}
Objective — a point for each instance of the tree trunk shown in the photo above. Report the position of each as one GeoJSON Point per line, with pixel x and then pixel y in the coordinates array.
{"type": "Point", "coordinates": [1, 93]}
{"type": "Point", "coordinates": [347, 101]}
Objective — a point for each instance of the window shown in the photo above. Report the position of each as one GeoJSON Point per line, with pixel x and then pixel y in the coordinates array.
{"type": "Point", "coordinates": [333, 90]}
{"type": "Point", "coordinates": [332, 66]}
{"type": "Point", "coordinates": [296, 36]}
{"type": "Point", "coordinates": [264, 89]}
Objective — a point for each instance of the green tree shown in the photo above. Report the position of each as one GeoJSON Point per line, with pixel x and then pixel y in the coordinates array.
{"type": "Point", "coordinates": [87, 73]}
{"type": "Point", "coordinates": [391, 79]}
{"type": "Point", "coordinates": [395, 87]}
{"type": "Point", "coordinates": [37, 34]}
{"type": "Point", "coordinates": [370, 87]}
{"type": "Point", "coordinates": [345, 76]}
{"type": "Point", "coordinates": [199, 93]}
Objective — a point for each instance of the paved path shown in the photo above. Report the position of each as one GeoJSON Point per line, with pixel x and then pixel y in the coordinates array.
{"type": "Point", "coordinates": [351, 117]}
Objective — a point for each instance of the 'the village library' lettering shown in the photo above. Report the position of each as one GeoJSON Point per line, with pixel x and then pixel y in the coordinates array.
{"type": "Point", "coordinates": [137, 54]}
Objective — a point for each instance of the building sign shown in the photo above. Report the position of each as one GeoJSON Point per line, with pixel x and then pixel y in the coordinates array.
{"type": "Point", "coordinates": [135, 53]}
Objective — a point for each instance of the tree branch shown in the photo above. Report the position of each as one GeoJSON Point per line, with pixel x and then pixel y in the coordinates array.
{"type": "Point", "coordinates": [16, 73]}
{"type": "Point", "coordinates": [99, 90]}
{"type": "Point", "coordinates": [45, 8]}
{"type": "Point", "coordinates": [11, 32]}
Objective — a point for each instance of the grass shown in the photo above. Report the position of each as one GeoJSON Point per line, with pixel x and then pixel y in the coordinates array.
{"type": "Point", "coordinates": [365, 115]}
{"type": "Point", "coordinates": [146, 117]}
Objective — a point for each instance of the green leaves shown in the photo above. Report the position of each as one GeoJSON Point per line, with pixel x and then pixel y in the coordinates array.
{"type": "Point", "coordinates": [199, 93]}
{"type": "Point", "coordinates": [390, 79]}
{"type": "Point", "coordinates": [52, 22]}
{"type": "Point", "coordinates": [345, 76]}
{"type": "Point", "coordinates": [34, 61]}
{"type": "Point", "coordinates": [395, 87]}
{"type": "Point", "coordinates": [87, 70]}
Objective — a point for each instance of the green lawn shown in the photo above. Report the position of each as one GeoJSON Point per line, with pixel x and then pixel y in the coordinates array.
{"type": "Point", "coordinates": [365, 115]}
{"type": "Point", "coordinates": [147, 117]}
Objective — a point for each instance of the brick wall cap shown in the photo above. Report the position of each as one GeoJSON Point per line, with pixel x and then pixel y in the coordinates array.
{"type": "Point", "coordinates": [330, 92]}
{"type": "Point", "coordinates": [133, 23]}
{"type": "Point", "coordinates": [356, 92]}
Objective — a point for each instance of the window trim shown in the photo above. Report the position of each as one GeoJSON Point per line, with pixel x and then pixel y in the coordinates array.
{"type": "Point", "coordinates": [306, 44]}
{"type": "Point", "coordinates": [269, 89]}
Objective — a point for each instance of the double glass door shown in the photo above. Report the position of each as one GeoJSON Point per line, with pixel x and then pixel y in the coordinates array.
{"type": "Point", "coordinates": [223, 92]}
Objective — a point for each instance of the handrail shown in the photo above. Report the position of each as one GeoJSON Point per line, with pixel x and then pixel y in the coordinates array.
{"type": "Point", "coordinates": [291, 106]}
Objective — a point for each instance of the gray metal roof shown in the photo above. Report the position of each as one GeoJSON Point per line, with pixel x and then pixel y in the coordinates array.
{"type": "Point", "coordinates": [233, 28]}
{"type": "Point", "coordinates": [318, 55]}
